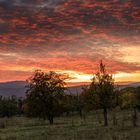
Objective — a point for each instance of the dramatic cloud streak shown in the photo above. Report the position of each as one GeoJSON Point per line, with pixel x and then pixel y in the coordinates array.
{"type": "Point", "coordinates": [69, 36]}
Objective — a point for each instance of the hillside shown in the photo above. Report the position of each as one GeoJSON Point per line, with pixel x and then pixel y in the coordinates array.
{"type": "Point", "coordinates": [18, 89]}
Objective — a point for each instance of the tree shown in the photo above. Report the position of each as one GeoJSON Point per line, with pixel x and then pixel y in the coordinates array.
{"type": "Point", "coordinates": [89, 99]}
{"type": "Point", "coordinates": [44, 94]}
{"type": "Point", "coordinates": [138, 97]}
{"type": "Point", "coordinates": [130, 98]}
{"type": "Point", "coordinates": [8, 106]}
{"type": "Point", "coordinates": [102, 92]}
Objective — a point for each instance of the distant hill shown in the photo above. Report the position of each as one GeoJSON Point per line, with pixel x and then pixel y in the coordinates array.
{"type": "Point", "coordinates": [134, 84]}
{"type": "Point", "coordinates": [18, 89]}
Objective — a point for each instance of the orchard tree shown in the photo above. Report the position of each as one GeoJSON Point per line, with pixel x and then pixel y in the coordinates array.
{"type": "Point", "coordinates": [130, 98]}
{"type": "Point", "coordinates": [102, 91]}
{"type": "Point", "coordinates": [8, 106]}
{"type": "Point", "coordinates": [44, 94]}
{"type": "Point", "coordinates": [89, 99]}
{"type": "Point", "coordinates": [138, 97]}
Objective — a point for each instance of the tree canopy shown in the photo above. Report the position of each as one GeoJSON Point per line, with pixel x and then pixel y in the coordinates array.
{"type": "Point", "coordinates": [44, 94]}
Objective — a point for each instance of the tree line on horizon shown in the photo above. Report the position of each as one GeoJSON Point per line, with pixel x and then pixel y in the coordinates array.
{"type": "Point", "coordinates": [46, 98]}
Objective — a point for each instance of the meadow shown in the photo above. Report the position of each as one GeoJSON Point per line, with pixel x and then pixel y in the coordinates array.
{"type": "Point", "coordinates": [71, 127]}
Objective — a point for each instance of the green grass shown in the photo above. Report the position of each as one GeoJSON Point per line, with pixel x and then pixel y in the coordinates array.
{"type": "Point", "coordinates": [70, 128]}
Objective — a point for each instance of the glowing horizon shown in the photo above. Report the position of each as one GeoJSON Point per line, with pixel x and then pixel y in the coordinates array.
{"type": "Point", "coordinates": [77, 78]}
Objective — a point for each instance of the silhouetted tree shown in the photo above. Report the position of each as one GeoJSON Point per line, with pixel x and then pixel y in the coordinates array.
{"type": "Point", "coordinates": [101, 91]}
{"type": "Point", "coordinates": [138, 97]}
{"type": "Point", "coordinates": [8, 106]}
{"type": "Point", "coordinates": [130, 98]}
{"type": "Point", "coordinates": [88, 99]}
{"type": "Point", "coordinates": [20, 102]}
{"type": "Point", "coordinates": [44, 94]}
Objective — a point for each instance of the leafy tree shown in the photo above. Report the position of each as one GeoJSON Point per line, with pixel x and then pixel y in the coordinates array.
{"type": "Point", "coordinates": [138, 97]}
{"type": "Point", "coordinates": [20, 102]}
{"type": "Point", "coordinates": [69, 106]}
{"type": "Point", "coordinates": [101, 93]}
{"type": "Point", "coordinates": [73, 104]}
{"type": "Point", "coordinates": [8, 106]}
{"type": "Point", "coordinates": [130, 98]}
{"type": "Point", "coordinates": [89, 99]}
{"type": "Point", "coordinates": [44, 94]}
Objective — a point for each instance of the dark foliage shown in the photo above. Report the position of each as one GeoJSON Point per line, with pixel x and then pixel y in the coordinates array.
{"type": "Point", "coordinates": [44, 95]}
{"type": "Point", "coordinates": [9, 106]}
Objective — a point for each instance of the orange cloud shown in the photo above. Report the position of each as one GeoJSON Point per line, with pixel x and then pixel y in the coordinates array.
{"type": "Point", "coordinates": [69, 35]}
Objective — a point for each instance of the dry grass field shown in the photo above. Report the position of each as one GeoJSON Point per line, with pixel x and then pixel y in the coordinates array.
{"type": "Point", "coordinates": [71, 128]}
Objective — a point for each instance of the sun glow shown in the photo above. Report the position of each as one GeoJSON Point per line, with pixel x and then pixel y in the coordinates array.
{"type": "Point", "coordinates": [127, 77]}
{"type": "Point", "coordinates": [79, 77]}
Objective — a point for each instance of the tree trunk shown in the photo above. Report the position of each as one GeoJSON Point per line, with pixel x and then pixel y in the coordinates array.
{"type": "Point", "coordinates": [114, 117]}
{"type": "Point", "coordinates": [51, 120]}
{"type": "Point", "coordinates": [134, 117]}
{"type": "Point", "coordinates": [105, 117]}
{"type": "Point", "coordinates": [51, 111]}
{"type": "Point", "coordinates": [80, 113]}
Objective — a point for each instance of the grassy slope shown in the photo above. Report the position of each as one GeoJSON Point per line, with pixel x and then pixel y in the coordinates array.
{"type": "Point", "coordinates": [70, 128]}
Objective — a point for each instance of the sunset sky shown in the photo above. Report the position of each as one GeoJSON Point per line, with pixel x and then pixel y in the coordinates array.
{"type": "Point", "coordinates": [70, 36]}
